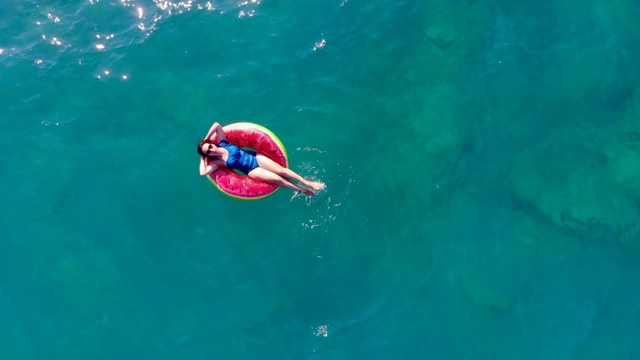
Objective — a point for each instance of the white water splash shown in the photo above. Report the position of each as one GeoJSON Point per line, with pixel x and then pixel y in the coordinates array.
{"type": "Point", "coordinates": [321, 331]}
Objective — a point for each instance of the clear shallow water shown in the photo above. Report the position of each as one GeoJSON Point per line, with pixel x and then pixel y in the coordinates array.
{"type": "Point", "coordinates": [481, 162]}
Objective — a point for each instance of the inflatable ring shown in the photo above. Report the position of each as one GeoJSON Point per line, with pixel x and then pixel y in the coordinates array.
{"type": "Point", "coordinates": [260, 139]}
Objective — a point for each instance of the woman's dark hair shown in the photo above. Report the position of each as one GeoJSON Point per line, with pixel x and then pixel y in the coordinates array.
{"type": "Point", "coordinates": [201, 144]}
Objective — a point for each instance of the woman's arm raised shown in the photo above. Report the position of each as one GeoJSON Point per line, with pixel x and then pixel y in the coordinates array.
{"type": "Point", "coordinates": [217, 130]}
{"type": "Point", "coordinates": [207, 166]}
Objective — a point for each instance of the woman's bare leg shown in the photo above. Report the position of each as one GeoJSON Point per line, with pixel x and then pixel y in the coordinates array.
{"type": "Point", "coordinates": [267, 176]}
{"type": "Point", "coordinates": [272, 166]}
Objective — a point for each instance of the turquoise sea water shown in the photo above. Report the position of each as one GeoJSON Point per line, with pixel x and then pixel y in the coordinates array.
{"type": "Point", "coordinates": [482, 160]}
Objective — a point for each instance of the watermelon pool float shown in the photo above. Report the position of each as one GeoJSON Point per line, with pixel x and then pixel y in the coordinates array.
{"type": "Point", "coordinates": [260, 139]}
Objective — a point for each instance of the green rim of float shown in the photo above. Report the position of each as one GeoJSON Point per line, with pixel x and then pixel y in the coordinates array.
{"type": "Point", "coordinates": [276, 152]}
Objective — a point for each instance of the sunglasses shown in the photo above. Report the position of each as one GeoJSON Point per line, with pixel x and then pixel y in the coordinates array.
{"type": "Point", "coordinates": [208, 152]}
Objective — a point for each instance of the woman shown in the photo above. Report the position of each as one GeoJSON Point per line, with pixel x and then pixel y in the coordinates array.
{"type": "Point", "coordinates": [254, 165]}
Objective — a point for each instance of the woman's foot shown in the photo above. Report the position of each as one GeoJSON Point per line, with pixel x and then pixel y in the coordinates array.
{"type": "Point", "coordinates": [308, 192]}
{"type": "Point", "coordinates": [316, 186]}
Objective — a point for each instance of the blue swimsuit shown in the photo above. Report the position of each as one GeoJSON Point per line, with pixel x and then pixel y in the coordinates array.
{"type": "Point", "coordinates": [239, 159]}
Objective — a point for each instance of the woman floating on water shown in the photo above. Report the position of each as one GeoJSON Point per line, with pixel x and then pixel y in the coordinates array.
{"type": "Point", "coordinates": [254, 165]}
